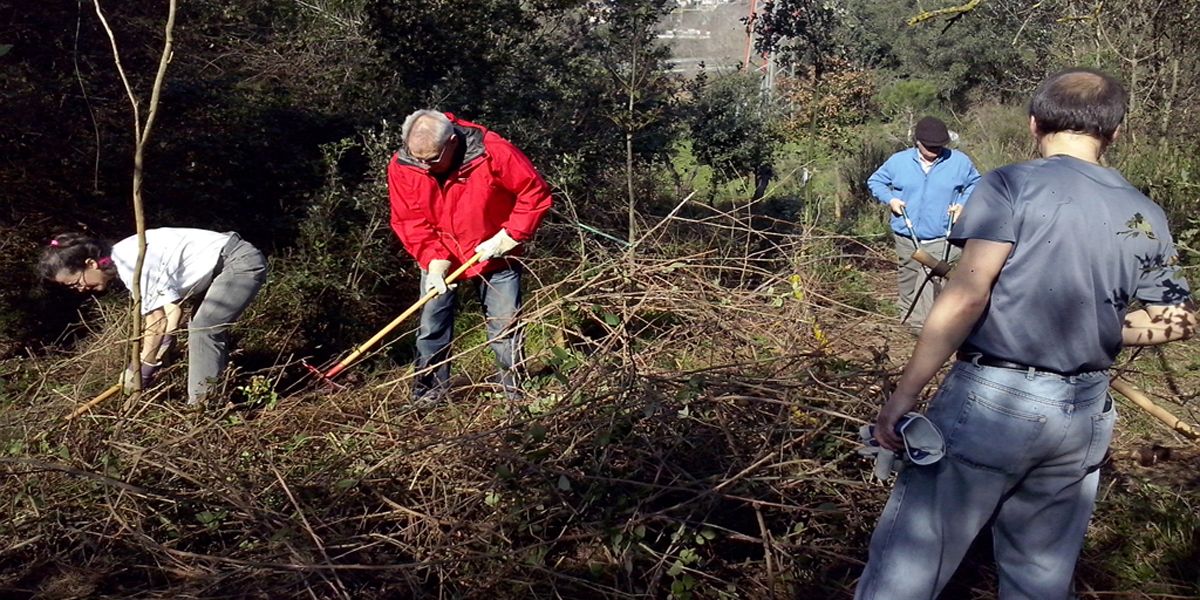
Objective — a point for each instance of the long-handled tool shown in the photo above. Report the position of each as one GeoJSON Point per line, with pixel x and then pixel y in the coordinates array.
{"type": "Point", "coordinates": [939, 268]}
{"type": "Point", "coordinates": [929, 272]}
{"type": "Point", "coordinates": [912, 232]}
{"type": "Point", "coordinates": [1148, 405]}
{"type": "Point", "coordinates": [1125, 389]}
{"type": "Point", "coordinates": [949, 229]}
{"type": "Point", "coordinates": [105, 395]}
{"type": "Point", "coordinates": [361, 349]}
{"type": "Point", "coordinates": [164, 350]}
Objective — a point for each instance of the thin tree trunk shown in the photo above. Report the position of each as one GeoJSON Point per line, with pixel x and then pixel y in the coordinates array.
{"type": "Point", "coordinates": [1134, 105]}
{"type": "Point", "coordinates": [629, 147]}
{"type": "Point", "coordinates": [1170, 100]}
{"type": "Point", "coordinates": [141, 135]}
{"type": "Point", "coordinates": [629, 184]}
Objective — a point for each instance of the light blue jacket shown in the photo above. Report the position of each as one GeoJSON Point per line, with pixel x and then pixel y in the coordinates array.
{"type": "Point", "coordinates": [926, 196]}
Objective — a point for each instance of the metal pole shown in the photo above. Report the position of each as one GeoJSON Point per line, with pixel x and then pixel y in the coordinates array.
{"type": "Point", "coordinates": [749, 33]}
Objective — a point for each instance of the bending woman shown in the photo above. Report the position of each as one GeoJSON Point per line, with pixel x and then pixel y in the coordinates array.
{"type": "Point", "coordinates": [221, 270]}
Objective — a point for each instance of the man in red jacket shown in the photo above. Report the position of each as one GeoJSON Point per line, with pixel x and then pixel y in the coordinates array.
{"type": "Point", "coordinates": [458, 189]}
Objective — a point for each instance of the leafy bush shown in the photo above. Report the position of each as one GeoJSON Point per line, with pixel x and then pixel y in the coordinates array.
{"type": "Point", "coordinates": [994, 135]}
{"type": "Point", "coordinates": [1169, 175]}
{"type": "Point", "coordinates": [829, 107]}
{"type": "Point", "coordinates": [343, 278]}
{"type": "Point", "coordinates": [730, 122]}
{"type": "Point", "coordinates": [875, 147]}
{"type": "Point", "coordinates": [906, 98]}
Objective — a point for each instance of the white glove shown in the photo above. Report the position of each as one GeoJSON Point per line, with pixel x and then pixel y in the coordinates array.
{"type": "Point", "coordinates": [923, 445]}
{"type": "Point", "coordinates": [435, 277]}
{"type": "Point", "coordinates": [498, 245]}
{"type": "Point", "coordinates": [885, 460]}
{"type": "Point", "coordinates": [126, 381]}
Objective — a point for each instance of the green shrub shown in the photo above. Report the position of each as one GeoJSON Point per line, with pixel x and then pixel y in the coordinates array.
{"type": "Point", "coordinates": [994, 135]}
{"type": "Point", "coordinates": [1168, 174]}
{"type": "Point", "coordinates": [861, 211]}
{"type": "Point", "coordinates": [342, 279]}
{"type": "Point", "coordinates": [908, 97]}
{"type": "Point", "coordinates": [731, 127]}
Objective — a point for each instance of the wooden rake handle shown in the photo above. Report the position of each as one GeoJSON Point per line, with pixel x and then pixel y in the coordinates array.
{"type": "Point", "coordinates": [1137, 397]}
{"type": "Point", "coordinates": [430, 295]}
{"type": "Point", "coordinates": [939, 268]}
{"type": "Point", "coordinates": [105, 395]}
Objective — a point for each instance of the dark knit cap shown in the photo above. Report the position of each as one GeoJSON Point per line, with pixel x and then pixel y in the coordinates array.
{"type": "Point", "coordinates": [931, 131]}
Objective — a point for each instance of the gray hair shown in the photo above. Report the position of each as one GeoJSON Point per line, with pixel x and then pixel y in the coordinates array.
{"type": "Point", "coordinates": [430, 126]}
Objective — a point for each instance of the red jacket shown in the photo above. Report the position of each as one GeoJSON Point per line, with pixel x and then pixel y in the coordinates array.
{"type": "Point", "coordinates": [495, 187]}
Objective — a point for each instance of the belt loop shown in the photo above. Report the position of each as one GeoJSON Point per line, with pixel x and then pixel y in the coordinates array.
{"type": "Point", "coordinates": [975, 356]}
{"type": "Point", "coordinates": [1030, 373]}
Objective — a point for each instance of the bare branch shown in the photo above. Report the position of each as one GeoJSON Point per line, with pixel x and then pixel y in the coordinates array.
{"type": "Point", "coordinates": [137, 121]}
{"type": "Point", "coordinates": [949, 11]}
{"type": "Point", "coordinates": [141, 133]}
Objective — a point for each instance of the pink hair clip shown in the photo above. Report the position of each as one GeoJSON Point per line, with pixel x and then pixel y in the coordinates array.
{"type": "Point", "coordinates": [53, 243]}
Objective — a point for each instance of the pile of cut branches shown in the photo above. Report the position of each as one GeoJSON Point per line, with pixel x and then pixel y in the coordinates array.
{"type": "Point", "coordinates": [687, 432]}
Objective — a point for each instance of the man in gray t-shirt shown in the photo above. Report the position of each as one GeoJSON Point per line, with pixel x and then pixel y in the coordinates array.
{"type": "Point", "coordinates": [1085, 243]}
{"type": "Point", "coordinates": [1054, 252]}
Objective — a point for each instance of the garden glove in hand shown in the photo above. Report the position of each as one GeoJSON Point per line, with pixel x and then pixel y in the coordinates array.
{"type": "Point", "coordinates": [884, 459]}
{"type": "Point", "coordinates": [499, 245]}
{"type": "Point", "coordinates": [435, 277]}
{"type": "Point", "coordinates": [923, 444]}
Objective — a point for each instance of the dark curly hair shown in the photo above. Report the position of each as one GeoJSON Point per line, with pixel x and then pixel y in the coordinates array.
{"type": "Point", "coordinates": [70, 252]}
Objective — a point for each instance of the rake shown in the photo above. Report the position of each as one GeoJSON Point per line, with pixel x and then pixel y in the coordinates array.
{"type": "Point", "coordinates": [345, 363]}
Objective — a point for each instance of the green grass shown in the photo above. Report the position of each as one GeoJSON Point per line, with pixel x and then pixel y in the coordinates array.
{"type": "Point", "coordinates": [1144, 535]}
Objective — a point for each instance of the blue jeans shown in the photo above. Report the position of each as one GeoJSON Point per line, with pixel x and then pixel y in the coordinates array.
{"type": "Point", "coordinates": [500, 293]}
{"type": "Point", "coordinates": [1023, 452]}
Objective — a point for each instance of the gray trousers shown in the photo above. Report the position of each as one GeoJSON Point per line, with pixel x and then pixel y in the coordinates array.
{"type": "Point", "coordinates": [240, 272]}
{"type": "Point", "coordinates": [911, 274]}
{"type": "Point", "coordinates": [1023, 453]}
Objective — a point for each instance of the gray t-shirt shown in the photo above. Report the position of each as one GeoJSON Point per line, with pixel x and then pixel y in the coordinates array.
{"type": "Point", "coordinates": [1085, 244]}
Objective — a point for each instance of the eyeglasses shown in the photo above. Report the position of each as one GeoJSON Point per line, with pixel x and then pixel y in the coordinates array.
{"type": "Point", "coordinates": [81, 283]}
{"type": "Point", "coordinates": [430, 162]}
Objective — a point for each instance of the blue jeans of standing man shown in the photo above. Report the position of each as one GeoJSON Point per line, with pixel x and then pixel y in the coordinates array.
{"type": "Point", "coordinates": [1023, 452]}
{"type": "Point", "coordinates": [500, 294]}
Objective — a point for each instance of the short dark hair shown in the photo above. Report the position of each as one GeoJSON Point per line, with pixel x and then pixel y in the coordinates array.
{"type": "Point", "coordinates": [1080, 100]}
{"type": "Point", "coordinates": [70, 252]}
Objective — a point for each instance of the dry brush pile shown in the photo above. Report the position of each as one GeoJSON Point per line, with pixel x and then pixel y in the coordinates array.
{"type": "Point", "coordinates": [687, 432]}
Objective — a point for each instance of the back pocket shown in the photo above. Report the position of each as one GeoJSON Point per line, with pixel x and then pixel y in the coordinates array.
{"type": "Point", "coordinates": [1102, 434]}
{"type": "Point", "coordinates": [991, 435]}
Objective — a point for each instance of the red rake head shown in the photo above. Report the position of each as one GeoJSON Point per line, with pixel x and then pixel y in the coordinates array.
{"type": "Point", "coordinates": [315, 372]}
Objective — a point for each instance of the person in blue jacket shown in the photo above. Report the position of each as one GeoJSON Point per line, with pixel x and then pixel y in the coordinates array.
{"type": "Point", "coordinates": [931, 183]}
